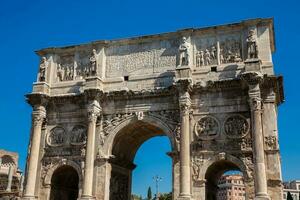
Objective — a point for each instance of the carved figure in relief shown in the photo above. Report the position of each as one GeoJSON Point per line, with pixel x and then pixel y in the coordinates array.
{"type": "Point", "coordinates": [57, 136]}
{"type": "Point", "coordinates": [206, 127]}
{"type": "Point", "coordinates": [251, 45]}
{"type": "Point", "coordinates": [183, 52]}
{"type": "Point", "coordinates": [42, 69]}
{"type": "Point", "coordinates": [246, 144]}
{"type": "Point", "coordinates": [93, 64]}
{"type": "Point", "coordinates": [230, 51]}
{"type": "Point", "coordinates": [213, 52]}
{"type": "Point", "coordinates": [236, 126]}
{"type": "Point", "coordinates": [60, 73]}
{"type": "Point", "coordinates": [207, 57]}
{"type": "Point", "coordinates": [78, 134]}
{"type": "Point", "coordinates": [271, 142]}
{"type": "Point", "coordinates": [197, 162]}
{"type": "Point", "coordinates": [200, 58]}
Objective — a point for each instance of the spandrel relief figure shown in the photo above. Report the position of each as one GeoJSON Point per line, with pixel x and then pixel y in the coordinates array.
{"type": "Point", "coordinates": [251, 45]}
{"type": "Point", "coordinates": [183, 52]}
{"type": "Point", "coordinates": [42, 69]}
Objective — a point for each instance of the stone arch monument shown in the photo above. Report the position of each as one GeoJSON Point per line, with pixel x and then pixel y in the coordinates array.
{"type": "Point", "coordinates": [212, 91]}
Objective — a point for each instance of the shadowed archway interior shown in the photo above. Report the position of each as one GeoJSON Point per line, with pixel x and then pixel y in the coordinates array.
{"type": "Point", "coordinates": [64, 184]}
{"type": "Point", "coordinates": [126, 144]}
{"type": "Point", "coordinates": [214, 173]}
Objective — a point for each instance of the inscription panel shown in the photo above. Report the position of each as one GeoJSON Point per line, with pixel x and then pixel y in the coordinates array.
{"type": "Point", "coordinates": [155, 57]}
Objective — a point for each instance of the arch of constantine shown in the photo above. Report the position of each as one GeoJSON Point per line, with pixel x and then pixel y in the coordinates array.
{"type": "Point", "coordinates": [212, 91]}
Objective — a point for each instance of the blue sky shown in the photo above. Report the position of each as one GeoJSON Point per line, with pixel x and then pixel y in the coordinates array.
{"type": "Point", "coordinates": [28, 25]}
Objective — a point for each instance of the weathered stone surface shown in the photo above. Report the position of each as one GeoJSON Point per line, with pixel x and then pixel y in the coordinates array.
{"type": "Point", "coordinates": [211, 91]}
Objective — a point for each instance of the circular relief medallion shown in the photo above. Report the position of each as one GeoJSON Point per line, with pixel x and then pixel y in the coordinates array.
{"type": "Point", "coordinates": [56, 137]}
{"type": "Point", "coordinates": [207, 128]}
{"type": "Point", "coordinates": [78, 135]}
{"type": "Point", "coordinates": [236, 126]}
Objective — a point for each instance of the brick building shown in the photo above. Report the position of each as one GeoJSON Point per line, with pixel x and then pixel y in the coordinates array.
{"type": "Point", "coordinates": [231, 187]}
{"type": "Point", "coordinates": [10, 175]}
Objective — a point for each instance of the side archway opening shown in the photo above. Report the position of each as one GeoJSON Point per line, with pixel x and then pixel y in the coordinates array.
{"type": "Point", "coordinates": [64, 184]}
{"type": "Point", "coordinates": [224, 180]}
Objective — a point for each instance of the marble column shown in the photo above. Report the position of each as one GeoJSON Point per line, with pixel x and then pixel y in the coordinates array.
{"type": "Point", "coordinates": [93, 113]}
{"type": "Point", "coordinates": [185, 170]}
{"type": "Point", "coordinates": [38, 116]}
{"type": "Point", "coordinates": [10, 178]}
{"type": "Point", "coordinates": [253, 80]}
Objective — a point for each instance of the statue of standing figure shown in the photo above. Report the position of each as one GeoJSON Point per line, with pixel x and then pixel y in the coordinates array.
{"type": "Point", "coordinates": [93, 62]}
{"type": "Point", "coordinates": [42, 69]}
{"type": "Point", "coordinates": [183, 52]}
{"type": "Point", "coordinates": [251, 45]}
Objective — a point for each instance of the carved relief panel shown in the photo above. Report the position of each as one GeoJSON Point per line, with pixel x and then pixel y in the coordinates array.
{"type": "Point", "coordinates": [207, 128]}
{"type": "Point", "coordinates": [206, 51]}
{"type": "Point", "coordinates": [230, 48]}
{"type": "Point", "coordinates": [236, 126]}
{"type": "Point", "coordinates": [65, 68]}
{"type": "Point", "coordinates": [218, 49]}
{"type": "Point", "coordinates": [58, 136]}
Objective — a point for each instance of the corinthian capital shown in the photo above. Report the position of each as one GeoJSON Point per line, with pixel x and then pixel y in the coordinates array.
{"type": "Point", "coordinates": [38, 115]}
{"type": "Point", "coordinates": [185, 103]}
{"type": "Point", "coordinates": [93, 110]}
{"type": "Point", "coordinates": [252, 78]}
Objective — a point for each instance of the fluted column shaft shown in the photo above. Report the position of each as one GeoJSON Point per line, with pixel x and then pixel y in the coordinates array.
{"type": "Point", "coordinates": [260, 180]}
{"type": "Point", "coordinates": [185, 173]}
{"type": "Point", "coordinates": [93, 113]}
{"type": "Point", "coordinates": [38, 116]}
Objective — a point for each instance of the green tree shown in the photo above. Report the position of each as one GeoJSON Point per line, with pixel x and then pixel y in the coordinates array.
{"type": "Point", "coordinates": [166, 196]}
{"type": "Point", "coordinates": [149, 194]}
{"type": "Point", "coordinates": [289, 196]}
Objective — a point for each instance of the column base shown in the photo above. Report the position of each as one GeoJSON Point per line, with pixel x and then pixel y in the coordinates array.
{"type": "Point", "coordinates": [184, 197]}
{"type": "Point", "coordinates": [28, 198]}
{"type": "Point", "coordinates": [262, 197]}
{"type": "Point", "coordinates": [86, 198]}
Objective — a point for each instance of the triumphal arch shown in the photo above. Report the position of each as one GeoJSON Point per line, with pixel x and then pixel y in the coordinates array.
{"type": "Point", "coordinates": [212, 91]}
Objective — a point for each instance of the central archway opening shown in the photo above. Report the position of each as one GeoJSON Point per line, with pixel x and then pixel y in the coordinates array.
{"type": "Point", "coordinates": [64, 184]}
{"type": "Point", "coordinates": [133, 168]}
{"type": "Point", "coordinates": [224, 180]}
